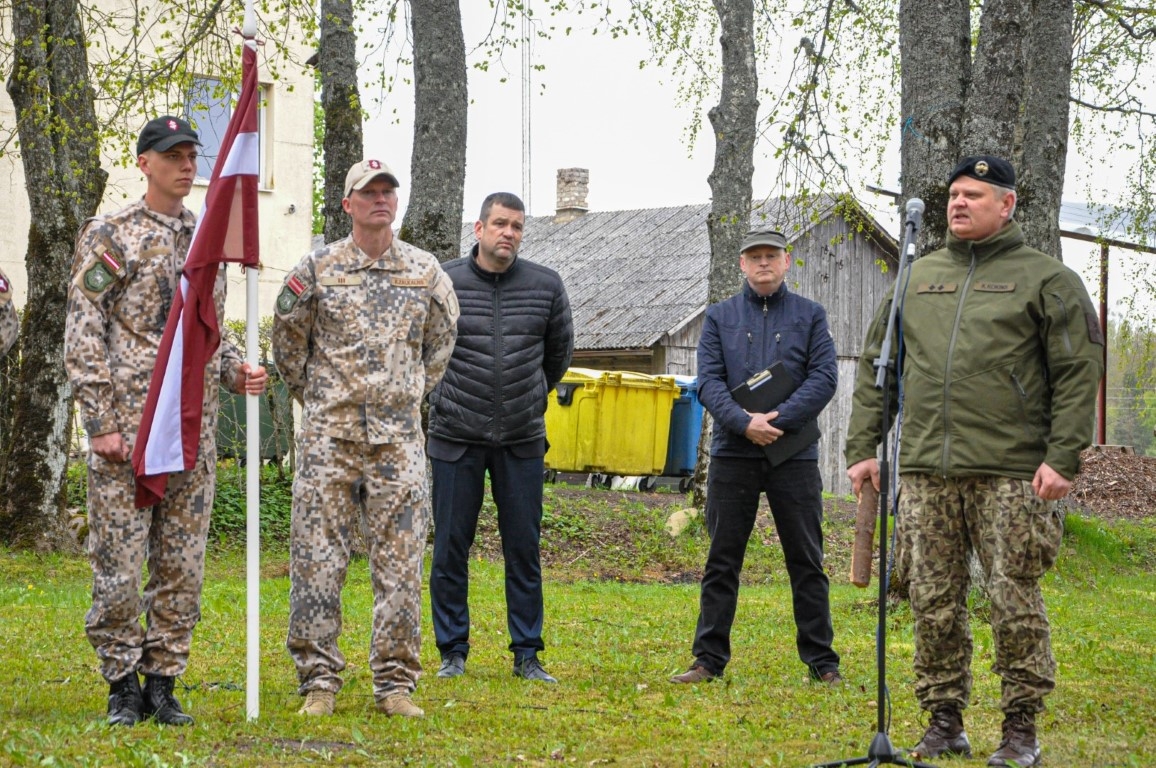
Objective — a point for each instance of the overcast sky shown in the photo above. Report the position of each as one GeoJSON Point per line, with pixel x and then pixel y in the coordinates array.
{"type": "Point", "coordinates": [593, 107]}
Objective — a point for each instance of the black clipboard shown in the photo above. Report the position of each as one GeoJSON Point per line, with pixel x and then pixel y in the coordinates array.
{"type": "Point", "coordinates": [764, 392]}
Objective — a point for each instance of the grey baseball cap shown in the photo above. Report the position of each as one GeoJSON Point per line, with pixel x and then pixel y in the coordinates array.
{"type": "Point", "coordinates": [769, 237]}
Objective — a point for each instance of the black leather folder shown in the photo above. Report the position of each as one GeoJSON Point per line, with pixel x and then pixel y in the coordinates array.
{"type": "Point", "coordinates": [763, 393]}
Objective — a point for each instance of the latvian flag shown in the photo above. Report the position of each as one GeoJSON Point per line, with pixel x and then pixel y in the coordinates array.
{"type": "Point", "coordinates": [170, 428]}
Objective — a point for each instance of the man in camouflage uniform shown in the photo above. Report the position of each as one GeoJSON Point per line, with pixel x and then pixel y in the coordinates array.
{"type": "Point", "coordinates": [1002, 358]}
{"type": "Point", "coordinates": [9, 321]}
{"type": "Point", "coordinates": [124, 273]}
{"type": "Point", "coordinates": [363, 331]}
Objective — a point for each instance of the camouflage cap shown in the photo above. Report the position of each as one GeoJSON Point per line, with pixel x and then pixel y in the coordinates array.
{"type": "Point", "coordinates": [366, 171]}
{"type": "Point", "coordinates": [771, 237]}
{"type": "Point", "coordinates": [989, 168]}
{"type": "Point", "coordinates": [164, 133]}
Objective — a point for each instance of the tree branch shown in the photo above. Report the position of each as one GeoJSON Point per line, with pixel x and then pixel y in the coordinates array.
{"type": "Point", "coordinates": [1121, 109]}
{"type": "Point", "coordinates": [1114, 13]}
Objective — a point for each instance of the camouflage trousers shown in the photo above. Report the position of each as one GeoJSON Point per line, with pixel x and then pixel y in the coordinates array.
{"type": "Point", "coordinates": [337, 482]}
{"type": "Point", "coordinates": [170, 537]}
{"type": "Point", "coordinates": [1016, 536]}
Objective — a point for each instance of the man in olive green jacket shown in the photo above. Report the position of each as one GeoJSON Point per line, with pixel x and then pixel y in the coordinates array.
{"type": "Point", "coordinates": [1002, 356]}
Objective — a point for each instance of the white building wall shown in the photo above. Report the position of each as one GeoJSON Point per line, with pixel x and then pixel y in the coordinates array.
{"type": "Point", "coordinates": [286, 196]}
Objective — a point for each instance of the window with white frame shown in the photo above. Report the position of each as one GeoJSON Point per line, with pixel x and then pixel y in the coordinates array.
{"type": "Point", "coordinates": [209, 106]}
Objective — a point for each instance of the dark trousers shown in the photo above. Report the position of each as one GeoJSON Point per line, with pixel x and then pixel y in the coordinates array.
{"type": "Point", "coordinates": [794, 490]}
{"type": "Point", "coordinates": [458, 487]}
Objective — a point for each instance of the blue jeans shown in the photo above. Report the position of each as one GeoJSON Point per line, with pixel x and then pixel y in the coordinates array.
{"type": "Point", "coordinates": [794, 490]}
{"type": "Point", "coordinates": [458, 487]}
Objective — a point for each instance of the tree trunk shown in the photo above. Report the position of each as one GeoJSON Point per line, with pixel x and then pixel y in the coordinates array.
{"type": "Point", "coordinates": [994, 101]}
{"type": "Point", "coordinates": [50, 90]}
{"type": "Point", "coordinates": [340, 99]}
{"type": "Point", "coordinates": [1048, 73]}
{"type": "Point", "coordinates": [935, 49]}
{"type": "Point", "coordinates": [433, 219]}
{"type": "Point", "coordinates": [734, 123]}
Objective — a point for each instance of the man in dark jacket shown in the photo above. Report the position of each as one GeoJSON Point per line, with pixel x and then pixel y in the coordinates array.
{"type": "Point", "coordinates": [1001, 362]}
{"type": "Point", "coordinates": [742, 336]}
{"type": "Point", "coordinates": [515, 340]}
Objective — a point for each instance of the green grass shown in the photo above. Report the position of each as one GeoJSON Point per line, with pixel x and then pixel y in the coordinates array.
{"type": "Point", "coordinates": [616, 628]}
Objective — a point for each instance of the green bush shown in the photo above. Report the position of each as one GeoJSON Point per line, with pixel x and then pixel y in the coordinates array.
{"type": "Point", "coordinates": [227, 525]}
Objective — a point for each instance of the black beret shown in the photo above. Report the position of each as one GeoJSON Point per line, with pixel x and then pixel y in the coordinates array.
{"type": "Point", "coordinates": [989, 168]}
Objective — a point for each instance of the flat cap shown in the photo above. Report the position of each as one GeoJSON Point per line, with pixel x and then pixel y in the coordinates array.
{"type": "Point", "coordinates": [989, 168]}
{"type": "Point", "coordinates": [769, 237]}
{"type": "Point", "coordinates": [366, 171]}
{"type": "Point", "coordinates": [164, 133]}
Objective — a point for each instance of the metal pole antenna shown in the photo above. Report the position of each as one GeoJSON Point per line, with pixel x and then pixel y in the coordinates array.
{"type": "Point", "coordinates": [881, 751]}
{"type": "Point", "coordinates": [526, 90]}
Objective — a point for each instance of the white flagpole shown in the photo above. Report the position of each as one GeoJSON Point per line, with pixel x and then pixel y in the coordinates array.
{"type": "Point", "coordinates": [252, 471]}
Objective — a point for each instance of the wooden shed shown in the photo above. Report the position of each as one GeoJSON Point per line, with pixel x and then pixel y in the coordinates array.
{"type": "Point", "coordinates": [637, 285]}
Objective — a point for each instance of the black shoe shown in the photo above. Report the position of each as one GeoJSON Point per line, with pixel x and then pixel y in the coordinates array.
{"type": "Point", "coordinates": [945, 736]}
{"type": "Point", "coordinates": [453, 665]}
{"type": "Point", "coordinates": [124, 701]}
{"type": "Point", "coordinates": [530, 668]}
{"type": "Point", "coordinates": [160, 703]}
{"type": "Point", "coordinates": [1019, 747]}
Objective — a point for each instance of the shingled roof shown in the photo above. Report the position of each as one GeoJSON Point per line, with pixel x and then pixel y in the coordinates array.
{"type": "Point", "coordinates": [635, 276]}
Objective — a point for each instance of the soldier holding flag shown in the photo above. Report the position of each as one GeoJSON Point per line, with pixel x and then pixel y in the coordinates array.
{"type": "Point", "coordinates": [125, 272]}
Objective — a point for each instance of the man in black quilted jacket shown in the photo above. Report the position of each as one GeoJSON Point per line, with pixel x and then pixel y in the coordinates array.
{"type": "Point", "coordinates": [515, 340]}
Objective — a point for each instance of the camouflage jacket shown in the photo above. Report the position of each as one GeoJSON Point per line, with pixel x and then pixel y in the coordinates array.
{"type": "Point", "coordinates": [360, 341]}
{"type": "Point", "coordinates": [9, 321]}
{"type": "Point", "coordinates": [1002, 360]}
{"type": "Point", "coordinates": [125, 270]}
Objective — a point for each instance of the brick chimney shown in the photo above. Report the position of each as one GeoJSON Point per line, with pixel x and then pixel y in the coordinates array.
{"type": "Point", "coordinates": [573, 184]}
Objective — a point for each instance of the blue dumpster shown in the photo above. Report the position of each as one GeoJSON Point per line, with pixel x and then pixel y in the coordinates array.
{"type": "Point", "coordinates": [685, 428]}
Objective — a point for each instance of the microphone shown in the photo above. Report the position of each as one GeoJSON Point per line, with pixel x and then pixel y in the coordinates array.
{"type": "Point", "coordinates": [915, 208]}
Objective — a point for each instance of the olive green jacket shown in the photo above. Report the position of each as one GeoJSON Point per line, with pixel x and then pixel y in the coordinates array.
{"type": "Point", "coordinates": [1002, 356]}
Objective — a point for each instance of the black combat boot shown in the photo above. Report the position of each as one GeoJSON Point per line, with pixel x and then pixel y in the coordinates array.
{"type": "Point", "coordinates": [160, 703]}
{"type": "Point", "coordinates": [1019, 747]}
{"type": "Point", "coordinates": [124, 700]}
{"type": "Point", "coordinates": [945, 736]}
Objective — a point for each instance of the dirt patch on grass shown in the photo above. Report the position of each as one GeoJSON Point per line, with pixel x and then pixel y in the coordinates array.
{"type": "Point", "coordinates": [600, 534]}
{"type": "Point", "coordinates": [1115, 485]}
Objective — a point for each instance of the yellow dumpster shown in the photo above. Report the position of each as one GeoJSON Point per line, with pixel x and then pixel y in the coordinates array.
{"type": "Point", "coordinates": [612, 422]}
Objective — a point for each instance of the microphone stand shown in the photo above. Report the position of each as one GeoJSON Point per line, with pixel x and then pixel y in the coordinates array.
{"type": "Point", "coordinates": [881, 751]}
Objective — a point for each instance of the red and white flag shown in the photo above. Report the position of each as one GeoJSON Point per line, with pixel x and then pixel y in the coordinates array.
{"type": "Point", "coordinates": [170, 427]}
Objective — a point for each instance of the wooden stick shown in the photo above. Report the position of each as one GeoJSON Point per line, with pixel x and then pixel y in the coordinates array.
{"type": "Point", "coordinates": [865, 518]}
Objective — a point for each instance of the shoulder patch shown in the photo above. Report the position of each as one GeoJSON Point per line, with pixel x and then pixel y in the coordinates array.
{"type": "Point", "coordinates": [98, 277]}
{"type": "Point", "coordinates": [290, 293]}
{"type": "Point", "coordinates": [1095, 332]}
{"type": "Point", "coordinates": [112, 262]}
